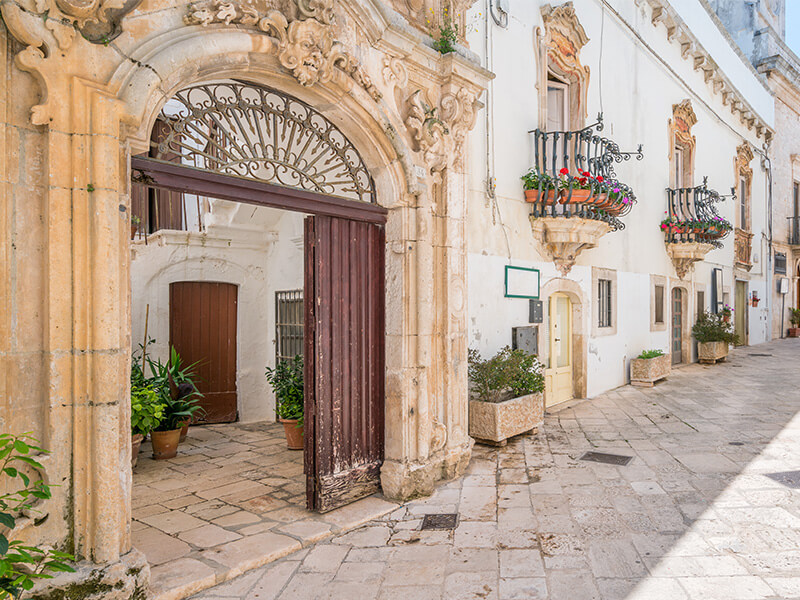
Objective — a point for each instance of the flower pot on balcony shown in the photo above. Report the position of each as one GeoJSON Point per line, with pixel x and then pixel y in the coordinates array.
{"type": "Point", "coordinates": [577, 197]}
{"type": "Point", "coordinates": [548, 197]}
{"type": "Point", "coordinates": [709, 353]}
{"type": "Point", "coordinates": [494, 422]}
{"type": "Point", "coordinates": [646, 371]}
{"type": "Point", "coordinates": [794, 332]}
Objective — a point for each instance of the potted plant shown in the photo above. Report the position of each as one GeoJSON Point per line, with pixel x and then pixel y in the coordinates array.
{"type": "Point", "coordinates": [135, 223]}
{"type": "Point", "coordinates": [506, 395]}
{"type": "Point", "coordinates": [650, 366]}
{"type": "Point", "coordinates": [726, 313]}
{"type": "Point", "coordinates": [713, 334]}
{"type": "Point", "coordinates": [534, 182]}
{"type": "Point", "coordinates": [794, 319]}
{"type": "Point", "coordinates": [286, 380]}
{"type": "Point", "coordinates": [146, 414]}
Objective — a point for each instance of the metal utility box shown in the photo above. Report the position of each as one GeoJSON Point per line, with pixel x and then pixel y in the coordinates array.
{"type": "Point", "coordinates": [536, 311]}
{"type": "Point", "coordinates": [525, 338]}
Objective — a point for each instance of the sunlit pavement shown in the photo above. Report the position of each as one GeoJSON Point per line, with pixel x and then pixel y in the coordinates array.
{"type": "Point", "coordinates": [693, 515]}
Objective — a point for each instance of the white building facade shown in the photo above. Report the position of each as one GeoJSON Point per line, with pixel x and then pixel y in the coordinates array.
{"type": "Point", "coordinates": [663, 75]}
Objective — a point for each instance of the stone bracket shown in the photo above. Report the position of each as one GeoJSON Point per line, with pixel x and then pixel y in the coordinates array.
{"type": "Point", "coordinates": [562, 239]}
{"type": "Point", "coordinates": [685, 254]}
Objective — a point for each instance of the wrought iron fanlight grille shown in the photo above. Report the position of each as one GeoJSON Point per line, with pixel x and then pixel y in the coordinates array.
{"type": "Point", "coordinates": [255, 132]}
{"type": "Point", "coordinates": [692, 215]}
{"type": "Point", "coordinates": [573, 176]}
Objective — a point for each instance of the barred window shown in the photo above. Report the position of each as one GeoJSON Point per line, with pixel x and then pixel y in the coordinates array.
{"type": "Point", "coordinates": [288, 324]}
{"type": "Point", "coordinates": [604, 302]}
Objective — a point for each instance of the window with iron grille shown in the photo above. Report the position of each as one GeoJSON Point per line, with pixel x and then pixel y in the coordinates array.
{"type": "Point", "coordinates": [288, 324]}
{"type": "Point", "coordinates": [780, 263]}
{"type": "Point", "coordinates": [659, 300]}
{"type": "Point", "coordinates": [604, 302]}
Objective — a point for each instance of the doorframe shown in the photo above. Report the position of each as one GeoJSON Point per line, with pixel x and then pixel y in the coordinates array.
{"type": "Point", "coordinates": [180, 178]}
{"type": "Point", "coordinates": [686, 325]}
{"type": "Point", "coordinates": [573, 291]}
{"type": "Point", "coordinates": [745, 341]}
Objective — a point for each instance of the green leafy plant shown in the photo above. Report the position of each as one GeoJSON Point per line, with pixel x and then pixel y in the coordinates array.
{"type": "Point", "coordinates": [147, 411]}
{"type": "Point", "coordinates": [534, 178]}
{"type": "Point", "coordinates": [509, 372]}
{"type": "Point", "coordinates": [794, 316]}
{"type": "Point", "coordinates": [712, 327]}
{"type": "Point", "coordinates": [286, 380]}
{"type": "Point", "coordinates": [651, 354]}
{"type": "Point", "coordinates": [21, 565]}
{"type": "Point", "coordinates": [445, 36]}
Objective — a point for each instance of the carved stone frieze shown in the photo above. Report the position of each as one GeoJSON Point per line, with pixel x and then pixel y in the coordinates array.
{"type": "Point", "coordinates": [305, 41]}
{"type": "Point", "coordinates": [685, 254]}
{"type": "Point", "coordinates": [744, 156]}
{"type": "Point", "coordinates": [562, 240]}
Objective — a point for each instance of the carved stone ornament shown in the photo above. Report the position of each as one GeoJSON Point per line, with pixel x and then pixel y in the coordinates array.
{"type": "Point", "coordinates": [53, 23]}
{"type": "Point", "coordinates": [440, 133]}
{"type": "Point", "coordinates": [563, 40]}
{"type": "Point", "coordinates": [304, 37]}
{"type": "Point", "coordinates": [683, 119]}
{"type": "Point", "coordinates": [744, 156]}
{"type": "Point", "coordinates": [562, 240]}
{"type": "Point", "coordinates": [685, 254]}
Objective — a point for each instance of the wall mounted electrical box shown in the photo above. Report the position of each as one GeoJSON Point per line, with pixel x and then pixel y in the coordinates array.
{"type": "Point", "coordinates": [525, 338]}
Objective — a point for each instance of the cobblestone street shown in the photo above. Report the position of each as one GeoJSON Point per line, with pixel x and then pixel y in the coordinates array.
{"type": "Point", "coordinates": [694, 515]}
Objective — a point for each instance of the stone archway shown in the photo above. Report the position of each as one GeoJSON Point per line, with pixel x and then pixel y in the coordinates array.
{"type": "Point", "coordinates": [573, 291]}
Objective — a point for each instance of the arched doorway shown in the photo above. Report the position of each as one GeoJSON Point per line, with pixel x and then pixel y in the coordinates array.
{"type": "Point", "coordinates": [234, 142]}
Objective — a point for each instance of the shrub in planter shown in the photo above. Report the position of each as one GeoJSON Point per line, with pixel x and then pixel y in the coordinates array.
{"type": "Point", "coordinates": [650, 366]}
{"type": "Point", "coordinates": [286, 380]}
{"type": "Point", "coordinates": [506, 395]}
{"type": "Point", "coordinates": [794, 319]}
{"type": "Point", "coordinates": [21, 564]}
{"type": "Point", "coordinates": [147, 412]}
{"type": "Point", "coordinates": [713, 334]}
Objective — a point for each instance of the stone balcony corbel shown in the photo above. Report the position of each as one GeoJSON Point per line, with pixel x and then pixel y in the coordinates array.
{"type": "Point", "coordinates": [563, 239]}
{"type": "Point", "coordinates": [685, 254]}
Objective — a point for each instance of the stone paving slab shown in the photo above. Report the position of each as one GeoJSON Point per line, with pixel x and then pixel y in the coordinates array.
{"type": "Point", "coordinates": [692, 517]}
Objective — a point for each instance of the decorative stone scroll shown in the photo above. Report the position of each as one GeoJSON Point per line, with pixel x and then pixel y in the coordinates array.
{"type": "Point", "coordinates": [683, 119]}
{"type": "Point", "coordinates": [304, 37]}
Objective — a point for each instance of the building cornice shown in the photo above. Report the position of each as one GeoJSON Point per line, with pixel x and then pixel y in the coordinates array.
{"type": "Point", "coordinates": [661, 11]}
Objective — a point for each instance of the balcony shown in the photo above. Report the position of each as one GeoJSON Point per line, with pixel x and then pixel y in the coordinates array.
{"type": "Point", "coordinates": [794, 230]}
{"type": "Point", "coordinates": [574, 193]}
{"type": "Point", "coordinates": [742, 242]}
{"type": "Point", "coordinates": [693, 227]}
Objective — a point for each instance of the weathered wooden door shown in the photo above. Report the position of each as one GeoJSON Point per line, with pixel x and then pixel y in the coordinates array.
{"type": "Point", "coordinates": [677, 326]}
{"type": "Point", "coordinates": [740, 312]}
{"type": "Point", "coordinates": [344, 360]}
{"type": "Point", "coordinates": [202, 328]}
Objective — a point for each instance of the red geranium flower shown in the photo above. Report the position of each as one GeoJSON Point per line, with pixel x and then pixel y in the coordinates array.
{"type": "Point", "coordinates": [600, 178]}
{"type": "Point", "coordinates": [564, 171]}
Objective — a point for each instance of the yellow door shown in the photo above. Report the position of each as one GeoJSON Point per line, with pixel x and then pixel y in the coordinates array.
{"type": "Point", "coordinates": [558, 375]}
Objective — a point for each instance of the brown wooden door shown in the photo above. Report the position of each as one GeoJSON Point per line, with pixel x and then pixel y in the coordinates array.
{"type": "Point", "coordinates": [344, 360]}
{"type": "Point", "coordinates": [677, 326]}
{"type": "Point", "coordinates": [202, 328]}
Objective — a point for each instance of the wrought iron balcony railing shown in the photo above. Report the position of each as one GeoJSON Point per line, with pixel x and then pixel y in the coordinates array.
{"type": "Point", "coordinates": [794, 230]}
{"type": "Point", "coordinates": [693, 217]}
{"type": "Point", "coordinates": [573, 176]}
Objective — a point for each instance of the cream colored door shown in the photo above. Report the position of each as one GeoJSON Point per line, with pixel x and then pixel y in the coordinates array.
{"type": "Point", "coordinates": [558, 375]}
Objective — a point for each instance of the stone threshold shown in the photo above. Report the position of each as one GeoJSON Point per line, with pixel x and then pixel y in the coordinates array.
{"type": "Point", "coordinates": [187, 576]}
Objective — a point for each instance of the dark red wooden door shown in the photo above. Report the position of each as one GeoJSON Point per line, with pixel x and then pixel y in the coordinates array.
{"type": "Point", "coordinates": [202, 328]}
{"type": "Point", "coordinates": [344, 360]}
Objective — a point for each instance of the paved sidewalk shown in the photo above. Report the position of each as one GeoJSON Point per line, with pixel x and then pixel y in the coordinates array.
{"type": "Point", "coordinates": [693, 516]}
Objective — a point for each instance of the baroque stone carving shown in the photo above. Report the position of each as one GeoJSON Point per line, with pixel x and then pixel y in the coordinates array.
{"type": "Point", "coordinates": [440, 133]}
{"type": "Point", "coordinates": [744, 156]}
{"type": "Point", "coordinates": [684, 255]}
{"type": "Point", "coordinates": [683, 120]}
{"type": "Point", "coordinates": [304, 37]}
{"type": "Point", "coordinates": [562, 240]}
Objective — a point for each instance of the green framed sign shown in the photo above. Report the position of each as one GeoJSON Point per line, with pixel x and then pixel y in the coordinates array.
{"type": "Point", "coordinates": [522, 282]}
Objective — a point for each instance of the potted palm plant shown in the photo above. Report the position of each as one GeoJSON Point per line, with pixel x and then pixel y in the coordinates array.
{"type": "Point", "coordinates": [286, 380]}
{"type": "Point", "coordinates": [794, 319]}
{"type": "Point", "coordinates": [506, 395]}
{"type": "Point", "coordinates": [650, 366]}
{"type": "Point", "coordinates": [714, 335]}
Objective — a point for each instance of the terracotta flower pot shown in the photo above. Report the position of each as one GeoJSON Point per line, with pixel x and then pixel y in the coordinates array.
{"type": "Point", "coordinates": [578, 197]}
{"type": "Point", "coordinates": [134, 230]}
{"type": "Point", "coordinates": [136, 444]}
{"type": "Point", "coordinates": [794, 332]}
{"type": "Point", "coordinates": [294, 434]}
{"type": "Point", "coordinates": [165, 443]}
{"type": "Point", "coordinates": [549, 197]}
{"type": "Point", "coordinates": [184, 432]}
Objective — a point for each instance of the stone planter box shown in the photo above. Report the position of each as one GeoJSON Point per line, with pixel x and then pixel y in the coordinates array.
{"type": "Point", "coordinates": [494, 422]}
{"type": "Point", "coordinates": [709, 353]}
{"type": "Point", "coordinates": [646, 371]}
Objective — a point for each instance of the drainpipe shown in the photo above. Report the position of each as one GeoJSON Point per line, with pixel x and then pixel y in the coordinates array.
{"type": "Point", "coordinates": [766, 164]}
